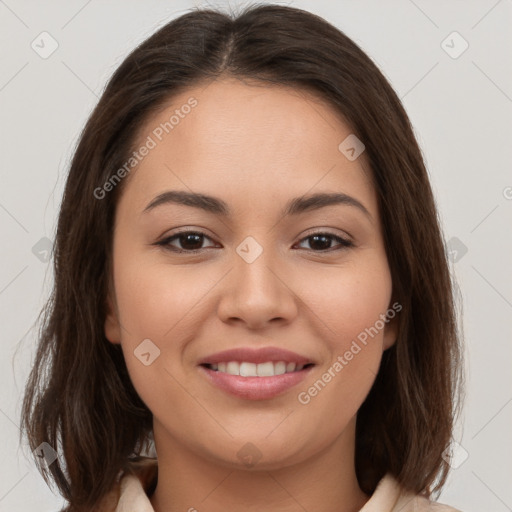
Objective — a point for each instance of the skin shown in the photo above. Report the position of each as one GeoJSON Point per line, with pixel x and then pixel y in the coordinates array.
{"type": "Point", "coordinates": [256, 147]}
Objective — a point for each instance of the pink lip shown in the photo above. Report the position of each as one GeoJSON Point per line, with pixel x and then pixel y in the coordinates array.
{"type": "Point", "coordinates": [254, 388]}
{"type": "Point", "coordinates": [252, 355]}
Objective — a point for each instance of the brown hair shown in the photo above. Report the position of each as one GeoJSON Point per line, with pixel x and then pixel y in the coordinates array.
{"type": "Point", "coordinates": [79, 397]}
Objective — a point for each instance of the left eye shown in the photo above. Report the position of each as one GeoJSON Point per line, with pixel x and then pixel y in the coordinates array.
{"type": "Point", "coordinates": [323, 241]}
{"type": "Point", "coordinates": [192, 241]}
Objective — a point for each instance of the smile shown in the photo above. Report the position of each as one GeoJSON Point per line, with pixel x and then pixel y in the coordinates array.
{"type": "Point", "coordinates": [246, 369]}
{"type": "Point", "coordinates": [254, 387]}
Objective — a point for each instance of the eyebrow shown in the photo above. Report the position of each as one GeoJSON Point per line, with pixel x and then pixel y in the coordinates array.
{"type": "Point", "coordinates": [217, 206]}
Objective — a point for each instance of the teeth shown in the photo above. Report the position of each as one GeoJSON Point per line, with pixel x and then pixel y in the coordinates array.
{"type": "Point", "coordinates": [268, 369]}
{"type": "Point", "coordinates": [265, 369]}
{"type": "Point", "coordinates": [279, 368]}
{"type": "Point", "coordinates": [245, 369]}
{"type": "Point", "coordinates": [233, 368]}
{"type": "Point", "coordinates": [290, 367]}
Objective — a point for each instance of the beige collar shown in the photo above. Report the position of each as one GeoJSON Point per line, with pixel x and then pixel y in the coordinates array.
{"type": "Point", "coordinates": [131, 495]}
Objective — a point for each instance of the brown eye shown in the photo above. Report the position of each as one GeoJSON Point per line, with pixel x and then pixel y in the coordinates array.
{"type": "Point", "coordinates": [320, 242]}
{"type": "Point", "coordinates": [189, 241]}
{"type": "Point", "coordinates": [192, 242]}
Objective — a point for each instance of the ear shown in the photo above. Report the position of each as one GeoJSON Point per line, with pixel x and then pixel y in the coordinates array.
{"type": "Point", "coordinates": [391, 327]}
{"type": "Point", "coordinates": [112, 324]}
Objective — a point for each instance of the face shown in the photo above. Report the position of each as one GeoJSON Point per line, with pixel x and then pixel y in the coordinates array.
{"type": "Point", "coordinates": [252, 267]}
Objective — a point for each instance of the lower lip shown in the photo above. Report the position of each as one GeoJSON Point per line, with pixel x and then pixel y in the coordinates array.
{"type": "Point", "coordinates": [255, 388]}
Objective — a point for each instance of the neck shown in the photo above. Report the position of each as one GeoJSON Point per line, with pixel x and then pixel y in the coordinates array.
{"type": "Point", "coordinates": [324, 482]}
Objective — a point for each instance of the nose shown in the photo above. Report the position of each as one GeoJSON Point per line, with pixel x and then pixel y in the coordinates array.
{"type": "Point", "coordinates": [258, 293]}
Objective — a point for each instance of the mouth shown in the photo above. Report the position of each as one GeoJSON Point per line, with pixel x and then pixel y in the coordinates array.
{"type": "Point", "coordinates": [250, 381]}
{"type": "Point", "coordinates": [248, 369]}
{"type": "Point", "coordinates": [255, 373]}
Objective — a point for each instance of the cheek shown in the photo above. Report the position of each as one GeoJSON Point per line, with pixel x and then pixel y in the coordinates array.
{"type": "Point", "coordinates": [165, 305]}
{"type": "Point", "coordinates": [156, 305]}
{"type": "Point", "coordinates": [154, 299]}
{"type": "Point", "coordinates": [349, 306]}
{"type": "Point", "coordinates": [348, 302]}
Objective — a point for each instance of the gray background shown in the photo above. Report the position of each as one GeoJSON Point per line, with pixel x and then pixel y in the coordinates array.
{"type": "Point", "coordinates": [461, 109]}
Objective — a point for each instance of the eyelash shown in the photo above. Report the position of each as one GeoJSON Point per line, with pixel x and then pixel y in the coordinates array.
{"type": "Point", "coordinates": [344, 243]}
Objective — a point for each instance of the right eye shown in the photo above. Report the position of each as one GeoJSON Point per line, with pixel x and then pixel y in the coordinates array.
{"type": "Point", "coordinates": [190, 241]}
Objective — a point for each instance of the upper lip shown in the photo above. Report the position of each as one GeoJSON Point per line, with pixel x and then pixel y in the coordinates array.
{"type": "Point", "coordinates": [255, 355]}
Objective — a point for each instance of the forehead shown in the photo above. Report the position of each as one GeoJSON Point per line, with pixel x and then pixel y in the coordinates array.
{"type": "Point", "coordinates": [231, 137]}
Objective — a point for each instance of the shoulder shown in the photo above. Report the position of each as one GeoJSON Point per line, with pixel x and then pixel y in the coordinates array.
{"type": "Point", "coordinates": [391, 497]}
{"type": "Point", "coordinates": [415, 503]}
{"type": "Point", "coordinates": [131, 490]}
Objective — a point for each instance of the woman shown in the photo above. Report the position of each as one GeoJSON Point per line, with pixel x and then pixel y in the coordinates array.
{"type": "Point", "coordinates": [250, 281]}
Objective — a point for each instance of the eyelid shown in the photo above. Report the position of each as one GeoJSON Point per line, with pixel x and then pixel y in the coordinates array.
{"type": "Point", "coordinates": [165, 241]}
{"type": "Point", "coordinates": [344, 242]}
{"type": "Point", "coordinates": [327, 231]}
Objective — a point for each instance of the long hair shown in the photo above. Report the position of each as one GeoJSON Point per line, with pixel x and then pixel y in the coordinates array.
{"type": "Point", "coordinates": [79, 398]}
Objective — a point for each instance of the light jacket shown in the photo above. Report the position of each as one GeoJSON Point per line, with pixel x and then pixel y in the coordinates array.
{"type": "Point", "coordinates": [130, 495]}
